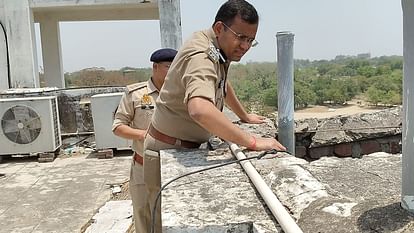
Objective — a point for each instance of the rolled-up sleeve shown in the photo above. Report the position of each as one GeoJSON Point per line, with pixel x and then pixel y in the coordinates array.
{"type": "Point", "coordinates": [125, 112]}
{"type": "Point", "coordinates": [200, 78]}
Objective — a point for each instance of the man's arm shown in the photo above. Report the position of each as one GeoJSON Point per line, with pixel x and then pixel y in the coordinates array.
{"type": "Point", "coordinates": [123, 117]}
{"type": "Point", "coordinates": [233, 102]}
{"type": "Point", "coordinates": [127, 132]}
{"type": "Point", "coordinates": [209, 117]}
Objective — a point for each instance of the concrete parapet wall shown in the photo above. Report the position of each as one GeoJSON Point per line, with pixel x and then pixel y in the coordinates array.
{"type": "Point", "coordinates": [349, 136]}
{"type": "Point", "coordinates": [355, 149]}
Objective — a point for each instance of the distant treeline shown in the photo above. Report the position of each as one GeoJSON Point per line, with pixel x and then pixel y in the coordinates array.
{"type": "Point", "coordinates": [375, 80]}
{"type": "Point", "coordinates": [101, 77]}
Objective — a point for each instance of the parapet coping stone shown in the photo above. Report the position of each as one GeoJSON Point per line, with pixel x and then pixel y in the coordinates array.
{"type": "Point", "coordinates": [219, 200]}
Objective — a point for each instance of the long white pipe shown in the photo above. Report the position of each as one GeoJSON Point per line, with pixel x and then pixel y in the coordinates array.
{"type": "Point", "coordinates": [278, 210]}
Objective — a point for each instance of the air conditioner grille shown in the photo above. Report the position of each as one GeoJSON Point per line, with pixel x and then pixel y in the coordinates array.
{"type": "Point", "coordinates": [55, 123]}
{"type": "Point", "coordinates": [21, 124]}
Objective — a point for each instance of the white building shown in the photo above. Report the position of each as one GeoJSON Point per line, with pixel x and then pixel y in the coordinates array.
{"type": "Point", "coordinates": [18, 58]}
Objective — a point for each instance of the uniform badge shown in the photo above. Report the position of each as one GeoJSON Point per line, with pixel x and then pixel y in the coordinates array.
{"type": "Point", "coordinates": [146, 102]}
{"type": "Point", "coordinates": [214, 54]}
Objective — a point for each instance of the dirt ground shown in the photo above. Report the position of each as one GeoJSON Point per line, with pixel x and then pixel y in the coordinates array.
{"type": "Point", "coordinates": [330, 111]}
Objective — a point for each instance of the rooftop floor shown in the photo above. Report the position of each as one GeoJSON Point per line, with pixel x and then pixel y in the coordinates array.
{"type": "Point", "coordinates": [60, 196]}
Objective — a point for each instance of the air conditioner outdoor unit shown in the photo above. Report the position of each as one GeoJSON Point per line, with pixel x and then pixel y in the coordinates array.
{"type": "Point", "coordinates": [29, 125]}
{"type": "Point", "coordinates": [104, 107]}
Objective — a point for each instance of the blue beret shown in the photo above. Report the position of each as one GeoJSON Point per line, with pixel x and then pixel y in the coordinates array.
{"type": "Point", "coordinates": [161, 55]}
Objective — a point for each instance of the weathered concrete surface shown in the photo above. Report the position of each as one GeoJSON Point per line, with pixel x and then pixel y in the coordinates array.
{"type": "Point", "coordinates": [60, 196]}
{"type": "Point", "coordinates": [114, 216]}
{"type": "Point", "coordinates": [373, 183]}
{"type": "Point", "coordinates": [341, 194]}
{"type": "Point", "coordinates": [357, 127]}
{"type": "Point", "coordinates": [350, 136]}
{"type": "Point", "coordinates": [219, 200]}
{"type": "Point", "coordinates": [327, 195]}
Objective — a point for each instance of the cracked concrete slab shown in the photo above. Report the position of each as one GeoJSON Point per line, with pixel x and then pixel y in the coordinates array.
{"type": "Point", "coordinates": [341, 194]}
{"type": "Point", "coordinates": [327, 195]}
{"type": "Point", "coordinates": [218, 200]}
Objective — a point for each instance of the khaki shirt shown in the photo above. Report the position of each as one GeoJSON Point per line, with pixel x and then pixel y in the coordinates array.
{"type": "Point", "coordinates": [193, 73]}
{"type": "Point", "coordinates": [130, 113]}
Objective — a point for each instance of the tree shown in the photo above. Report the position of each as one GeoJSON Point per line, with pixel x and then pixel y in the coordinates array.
{"type": "Point", "coordinates": [375, 95]}
{"type": "Point", "coordinates": [304, 95]}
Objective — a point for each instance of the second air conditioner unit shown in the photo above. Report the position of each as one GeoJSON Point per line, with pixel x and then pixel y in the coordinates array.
{"type": "Point", "coordinates": [104, 107]}
{"type": "Point", "coordinates": [29, 125]}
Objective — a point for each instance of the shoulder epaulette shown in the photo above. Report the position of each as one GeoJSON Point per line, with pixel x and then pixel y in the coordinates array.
{"type": "Point", "coordinates": [214, 54]}
{"type": "Point", "coordinates": [209, 53]}
{"type": "Point", "coordinates": [136, 86]}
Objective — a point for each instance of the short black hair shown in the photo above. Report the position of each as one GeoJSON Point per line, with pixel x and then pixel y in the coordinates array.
{"type": "Point", "coordinates": [232, 8]}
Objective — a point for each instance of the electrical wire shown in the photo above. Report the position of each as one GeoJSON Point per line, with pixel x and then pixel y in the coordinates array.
{"type": "Point", "coordinates": [7, 54]}
{"type": "Point", "coordinates": [77, 142]}
{"type": "Point", "coordinates": [261, 155]}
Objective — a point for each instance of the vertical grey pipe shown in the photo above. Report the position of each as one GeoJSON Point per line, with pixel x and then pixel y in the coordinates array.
{"type": "Point", "coordinates": [407, 191]}
{"type": "Point", "coordinates": [285, 97]}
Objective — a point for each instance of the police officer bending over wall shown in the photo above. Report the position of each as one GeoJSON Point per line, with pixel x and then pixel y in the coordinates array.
{"type": "Point", "coordinates": [189, 108]}
{"type": "Point", "coordinates": [131, 122]}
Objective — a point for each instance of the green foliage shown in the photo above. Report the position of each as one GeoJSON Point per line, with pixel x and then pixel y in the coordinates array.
{"type": "Point", "coordinates": [255, 83]}
{"type": "Point", "coordinates": [304, 95]}
{"type": "Point", "coordinates": [337, 81]}
{"type": "Point", "coordinates": [379, 80]}
{"type": "Point", "coordinates": [270, 97]}
{"type": "Point", "coordinates": [375, 95]}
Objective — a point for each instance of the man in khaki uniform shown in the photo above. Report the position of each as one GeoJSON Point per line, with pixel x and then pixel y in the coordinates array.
{"type": "Point", "coordinates": [131, 122]}
{"type": "Point", "coordinates": [189, 107]}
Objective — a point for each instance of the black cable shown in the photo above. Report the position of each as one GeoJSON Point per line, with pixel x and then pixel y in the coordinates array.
{"type": "Point", "coordinates": [261, 155]}
{"type": "Point", "coordinates": [75, 143]}
{"type": "Point", "coordinates": [7, 54]}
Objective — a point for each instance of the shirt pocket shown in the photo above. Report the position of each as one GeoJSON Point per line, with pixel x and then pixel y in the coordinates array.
{"type": "Point", "coordinates": [142, 116]}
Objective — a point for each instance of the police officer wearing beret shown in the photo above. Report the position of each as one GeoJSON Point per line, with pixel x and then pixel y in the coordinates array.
{"type": "Point", "coordinates": [131, 121]}
{"type": "Point", "coordinates": [189, 107]}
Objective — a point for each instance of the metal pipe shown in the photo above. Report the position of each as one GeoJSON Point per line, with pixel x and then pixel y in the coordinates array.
{"type": "Point", "coordinates": [278, 210]}
{"type": "Point", "coordinates": [76, 134]}
{"type": "Point", "coordinates": [285, 97]}
{"type": "Point", "coordinates": [407, 191]}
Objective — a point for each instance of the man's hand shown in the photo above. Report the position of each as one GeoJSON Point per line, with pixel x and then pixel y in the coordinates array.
{"type": "Point", "coordinates": [268, 144]}
{"type": "Point", "coordinates": [141, 135]}
{"type": "Point", "coordinates": [254, 119]}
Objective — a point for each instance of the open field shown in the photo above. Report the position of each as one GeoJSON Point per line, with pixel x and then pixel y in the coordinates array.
{"type": "Point", "coordinates": [326, 112]}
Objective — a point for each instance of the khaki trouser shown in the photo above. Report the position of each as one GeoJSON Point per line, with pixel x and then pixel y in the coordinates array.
{"type": "Point", "coordinates": [138, 195]}
{"type": "Point", "coordinates": [152, 177]}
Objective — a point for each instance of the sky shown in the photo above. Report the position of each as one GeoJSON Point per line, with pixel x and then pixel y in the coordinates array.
{"type": "Point", "coordinates": [323, 29]}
